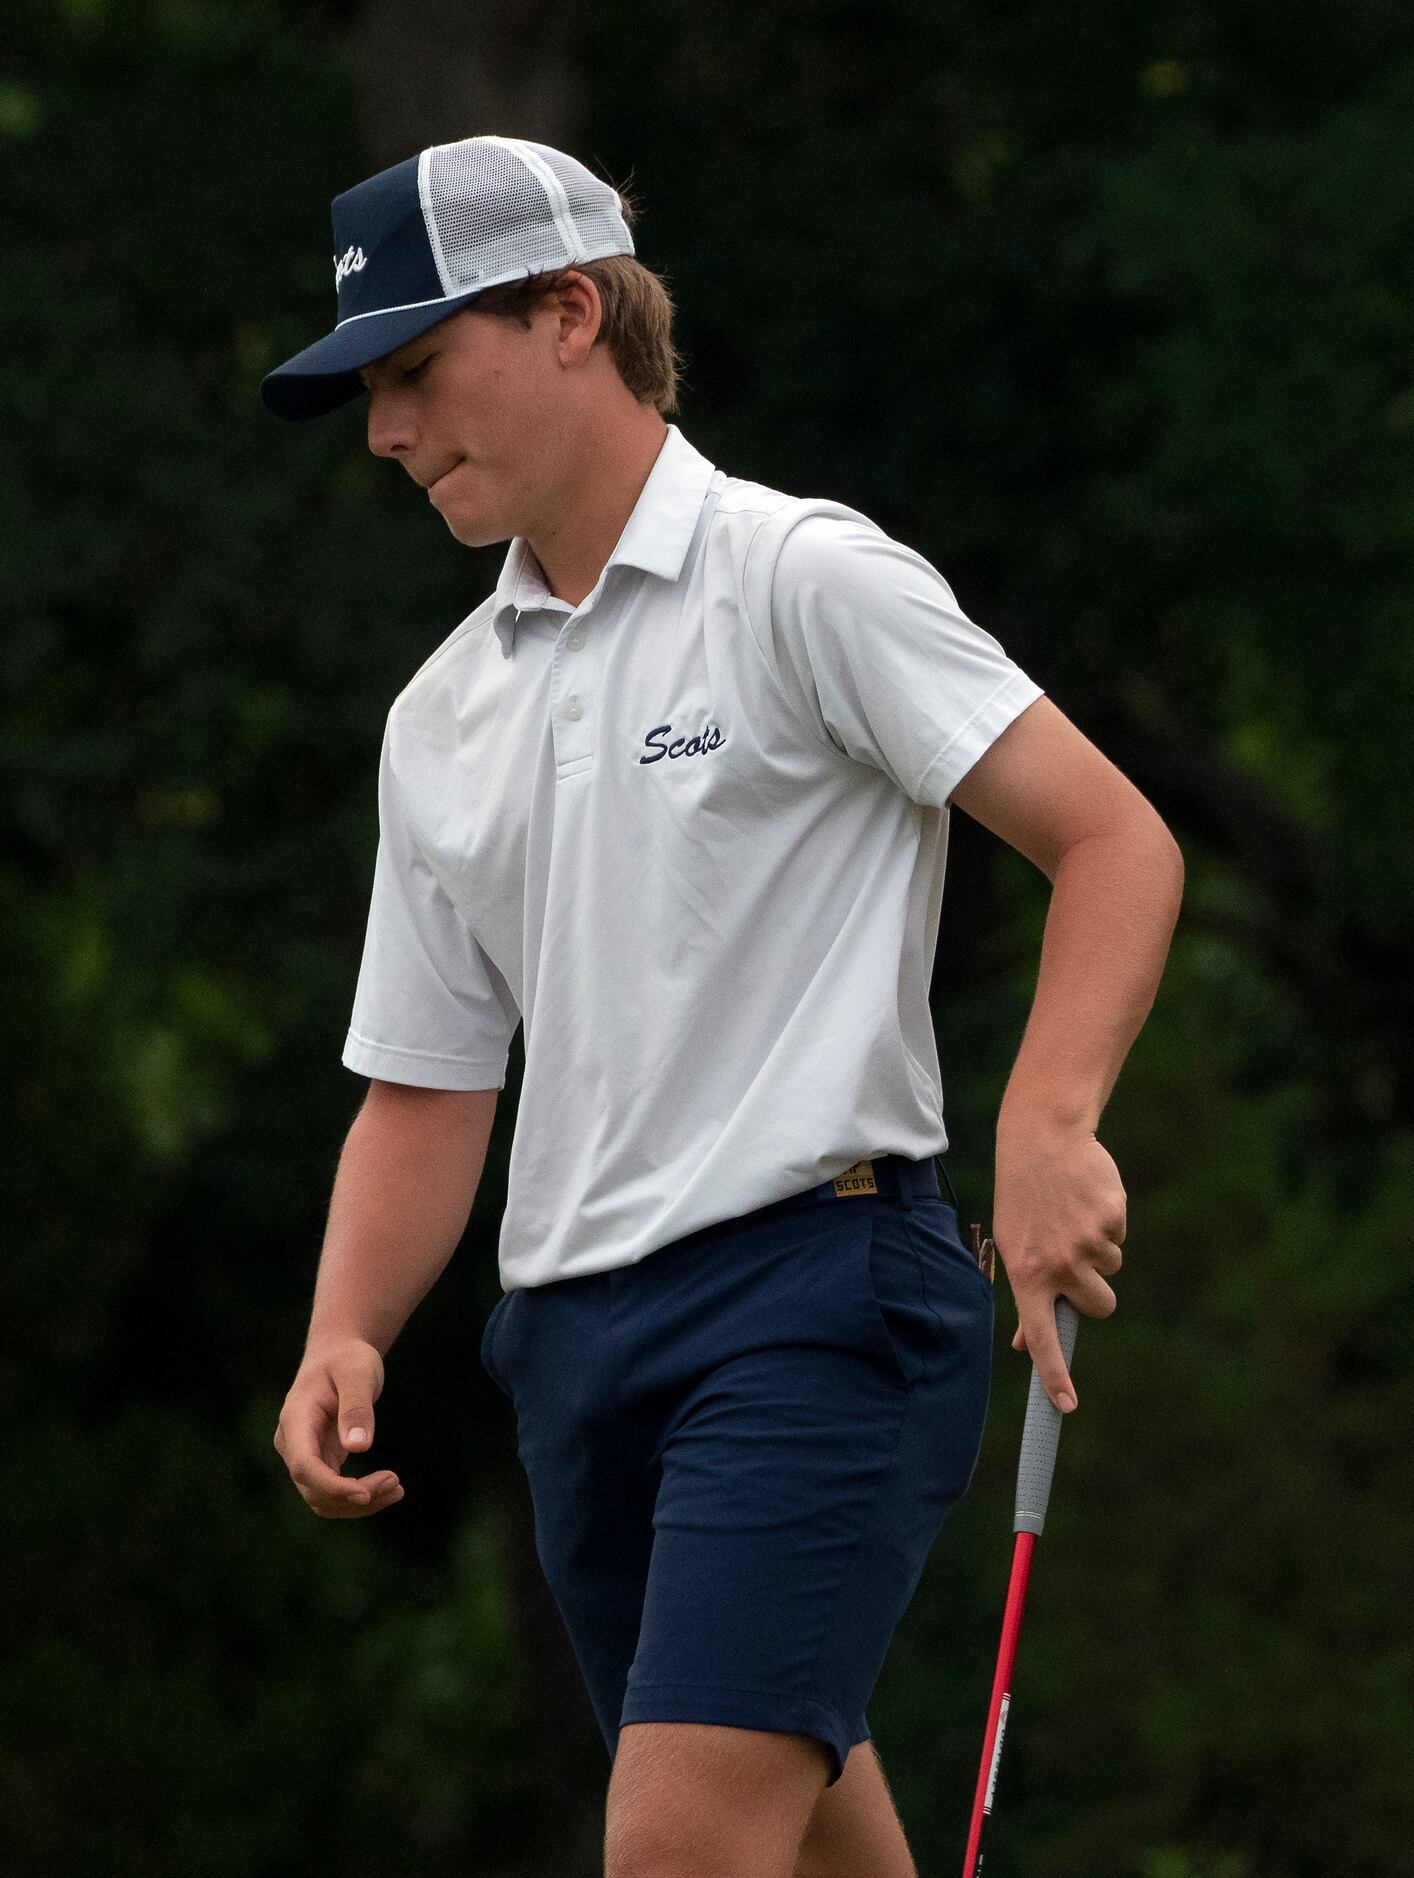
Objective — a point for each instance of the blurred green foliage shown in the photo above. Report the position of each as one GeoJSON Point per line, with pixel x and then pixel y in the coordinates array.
{"type": "Point", "coordinates": [1110, 314]}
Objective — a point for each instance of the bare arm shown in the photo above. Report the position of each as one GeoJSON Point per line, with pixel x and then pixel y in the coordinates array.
{"type": "Point", "coordinates": [406, 1179]}
{"type": "Point", "coordinates": [402, 1195]}
{"type": "Point", "coordinates": [1060, 1209]}
{"type": "Point", "coordinates": [1114, 901]}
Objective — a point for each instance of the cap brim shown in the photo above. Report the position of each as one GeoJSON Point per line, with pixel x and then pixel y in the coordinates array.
{"type": "Point", "coordinates": [325, 375]}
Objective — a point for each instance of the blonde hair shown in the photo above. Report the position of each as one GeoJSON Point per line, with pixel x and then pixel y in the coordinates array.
{"type": "Point", "coordinates": [637, 323]}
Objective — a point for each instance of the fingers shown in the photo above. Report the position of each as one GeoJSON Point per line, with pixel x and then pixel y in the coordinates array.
{"type": "Point", "coordinates": [1079, 1280]}
{"type": "Point", "coordinates": [1107, 1258]}
{"type": "Point", "coordinates": [1038, 1322]}
{"type": "Point", "coordinates": [381, 1490]}
{"type": "Point", "coordinates": [1090, 1295]}
{"type": "Point", "coordinates": [312, 1448]}
{"type": "Point", "coordinates": [327, 1416]}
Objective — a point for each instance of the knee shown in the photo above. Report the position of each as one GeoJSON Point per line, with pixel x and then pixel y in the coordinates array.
{"type": "Point", "coordinates": [819, 1856]}
{"type": "Point", "coordinates": [649, 1841]}
{"type": "Point", "coordinates": [705, 1800]}
{"type": "Point", "coordinates": [637, 1854]}
{"type": "Point", "coordinates": [669, 1849]}
{"type": "Point", "coordinates": [811, 1864]}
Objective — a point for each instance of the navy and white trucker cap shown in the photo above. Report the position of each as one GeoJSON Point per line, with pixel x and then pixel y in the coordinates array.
{"type": "Point", "coordinates": [419, 240]}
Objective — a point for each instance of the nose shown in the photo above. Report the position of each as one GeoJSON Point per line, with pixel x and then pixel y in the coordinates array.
{"type": "Point", "coordinates": [390, 427]}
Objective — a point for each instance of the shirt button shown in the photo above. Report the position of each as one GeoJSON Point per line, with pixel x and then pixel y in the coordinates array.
{"type": "Point", "coordinates": [576, 640]}
{"type": "Point", "coordinates": [574, 708]}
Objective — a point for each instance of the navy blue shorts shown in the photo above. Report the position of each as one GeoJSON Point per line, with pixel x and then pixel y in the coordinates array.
{"type": "Point", "coordinates": [741, 1449]}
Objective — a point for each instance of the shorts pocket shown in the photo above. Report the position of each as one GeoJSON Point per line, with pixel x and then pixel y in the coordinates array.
{"type": "Point", "coordinates": [948, 1266]}
{"type": "Point", "coordinates": [898, 1282]}
{"type": "Point", "coordinates": [488, 1341]}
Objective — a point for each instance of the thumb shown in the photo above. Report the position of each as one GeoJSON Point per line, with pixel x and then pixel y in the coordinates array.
{"type": "Point", "coordinates": [355, 1408]}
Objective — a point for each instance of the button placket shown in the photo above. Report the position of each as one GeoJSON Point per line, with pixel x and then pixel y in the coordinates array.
{"type": "Point", "coordinates": [572, 697]}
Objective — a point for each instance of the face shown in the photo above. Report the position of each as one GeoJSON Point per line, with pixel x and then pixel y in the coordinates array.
{"type": "Point", "coordinates": [477, 411]}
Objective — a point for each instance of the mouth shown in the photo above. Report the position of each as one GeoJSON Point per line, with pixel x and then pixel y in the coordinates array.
{"type": "Point", "coordinates": [433, 487]}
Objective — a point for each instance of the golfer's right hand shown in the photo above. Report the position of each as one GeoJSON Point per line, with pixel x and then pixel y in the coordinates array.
{"type": "Point", "coordinates": [328, 1415]}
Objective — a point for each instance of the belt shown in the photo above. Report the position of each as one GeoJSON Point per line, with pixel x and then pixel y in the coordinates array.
{"type": "Point", "coordinates": [887, 1174]}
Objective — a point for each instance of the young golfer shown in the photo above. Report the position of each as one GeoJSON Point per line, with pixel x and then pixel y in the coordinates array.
{"type": "Point", "coordinates": [676, 796]}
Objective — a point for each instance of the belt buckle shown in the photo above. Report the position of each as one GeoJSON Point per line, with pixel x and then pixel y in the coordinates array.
{"type": "Point", "coordinates": [856, 1180]}
{"type": "Point", "coordinates": [985, 1252]}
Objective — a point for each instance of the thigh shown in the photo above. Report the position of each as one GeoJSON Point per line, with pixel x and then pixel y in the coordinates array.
{"type": "Point", "coordinates": [592, 1491]}
{"type": "Point", "coordinates": [806, 1472]}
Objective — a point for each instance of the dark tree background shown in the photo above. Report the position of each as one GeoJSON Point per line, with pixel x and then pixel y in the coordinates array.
{"type": "Point", "coordinates": [1108, 311]}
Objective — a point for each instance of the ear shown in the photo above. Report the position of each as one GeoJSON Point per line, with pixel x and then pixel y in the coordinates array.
{"type": "Point", "coordinates": [580, 310]}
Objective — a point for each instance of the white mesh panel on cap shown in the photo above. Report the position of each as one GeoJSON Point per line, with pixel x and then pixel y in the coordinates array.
{"type": "Point", "coordinates": [498, 208]}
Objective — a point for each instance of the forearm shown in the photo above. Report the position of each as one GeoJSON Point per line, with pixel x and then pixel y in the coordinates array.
{"type": "Point", "coordinates": [1114, 903]}
{"type": "Point", "coordinates": [406, 1180]}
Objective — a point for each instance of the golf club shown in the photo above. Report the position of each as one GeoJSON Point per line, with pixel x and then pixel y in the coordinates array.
{"type": "Point", "coordinates": [1039, 1441]}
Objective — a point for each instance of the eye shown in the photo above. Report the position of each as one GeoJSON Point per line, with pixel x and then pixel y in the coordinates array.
{"type": "Point", "coordinates": [416, 371]}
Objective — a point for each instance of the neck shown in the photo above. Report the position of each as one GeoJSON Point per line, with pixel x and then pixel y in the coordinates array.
{"type": "Point", "coordinates": [590, 513]}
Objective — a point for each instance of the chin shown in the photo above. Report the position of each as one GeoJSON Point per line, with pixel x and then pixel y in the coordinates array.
{"type": "Point", "coordinates": [470, 533]}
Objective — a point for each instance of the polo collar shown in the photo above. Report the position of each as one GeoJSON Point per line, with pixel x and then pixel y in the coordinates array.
{"type": "Point", "coordinates": [655, 536]}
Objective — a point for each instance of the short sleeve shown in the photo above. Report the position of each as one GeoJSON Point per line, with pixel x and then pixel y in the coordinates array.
{"type": "Point", "coordinates": [870, 646]}
{"type": "Point", "coordinates": [430, 1007]}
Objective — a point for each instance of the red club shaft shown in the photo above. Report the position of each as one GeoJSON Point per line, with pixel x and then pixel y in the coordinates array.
{"type": "Point", "coordinates": [1001, 1701]}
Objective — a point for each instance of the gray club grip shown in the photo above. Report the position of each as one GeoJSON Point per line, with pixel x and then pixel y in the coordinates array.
{"type": "Point", "coordinates": [1041, 1436]}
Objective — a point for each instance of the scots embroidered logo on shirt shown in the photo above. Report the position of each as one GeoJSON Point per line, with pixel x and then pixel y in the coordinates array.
{"type": "Point", "coordinates": [697, 745]}
{"type": "Point", "coordinates": [353, 261]}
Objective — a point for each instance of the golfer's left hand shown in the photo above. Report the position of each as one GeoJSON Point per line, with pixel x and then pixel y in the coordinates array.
{"type": "Point", "coordinates": [1058, 1220]}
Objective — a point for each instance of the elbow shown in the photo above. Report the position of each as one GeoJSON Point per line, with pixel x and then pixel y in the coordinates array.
{"type": "Point", "coordinates": [1173, 850]}
{"type": "Point", "coordinates": [1168, 855]}
{"type": "Point", "coordinates": [1173, 858]}
{"type": "Point", "coordinates": [1143, 832]}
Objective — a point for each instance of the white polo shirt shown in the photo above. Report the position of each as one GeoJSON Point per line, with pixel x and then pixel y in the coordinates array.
{"type": "Point", "coordinates": [693, 833]}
